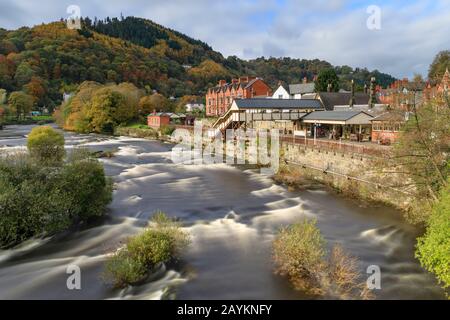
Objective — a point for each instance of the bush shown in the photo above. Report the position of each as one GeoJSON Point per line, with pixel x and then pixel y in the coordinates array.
{"type": "Point", "coordinates": [299, 253]}
{"type": "Point", "coordinates": [38, 201]}
{"type": "Point", "coordinates": [167, 130]}
{"type": "Point", "coordinates": [159, 243]}
{"type": "Point", "coordinates": [433, 249]}
{"type": "Point", "coordinates": [46, 145]}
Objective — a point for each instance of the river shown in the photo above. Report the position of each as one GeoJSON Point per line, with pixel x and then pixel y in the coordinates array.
{"type": "Point", "coordinates": [232, 216]}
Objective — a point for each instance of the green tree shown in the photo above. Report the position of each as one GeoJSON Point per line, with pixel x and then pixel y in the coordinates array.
{"type": "Point", "coordinates": [23, 74]}
{"type": "Point", "coordinates": [46, 145]}
{"type": "Point", "coordinates": [20, 103]}
{"type": "Point", "coordinates": [325, 77]}
{"type": "Point", "coordinates": [433, 249]}
{"type": "Point", "coordinates": [2, 96]}
{"type": "Point", "coordinates": [106, 110]}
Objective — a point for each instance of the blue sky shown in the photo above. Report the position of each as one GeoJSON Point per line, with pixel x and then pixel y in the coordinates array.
{"type": "Point", "coordinates": [411, 33]}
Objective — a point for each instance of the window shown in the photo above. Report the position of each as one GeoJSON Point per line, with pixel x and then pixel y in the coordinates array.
{"type": "Point", "coordinates": [280, 96]}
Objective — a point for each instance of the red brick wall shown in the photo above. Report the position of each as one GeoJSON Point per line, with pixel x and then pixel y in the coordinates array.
{"type": "Point", "coordinates": [218, 103]}
{"type": "Point", "coordinates": [392, 136]}
{"type": "Point", "coordinates": [155, 121]}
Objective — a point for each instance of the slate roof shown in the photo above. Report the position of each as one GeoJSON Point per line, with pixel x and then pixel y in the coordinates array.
{"type": "Point", "coordinates": [391, 116]}
{"type": "Point", "coordinates": [267, 103]}
{"type": "Point", "coordinates": [302, 88]}
{"type": "Point", "coordinates": [331, 99]}
{"type": "Point", "coordinates": [333, 115]}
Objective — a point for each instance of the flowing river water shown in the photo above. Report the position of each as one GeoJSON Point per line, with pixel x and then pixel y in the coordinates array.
{"type": "Point", "coordinates": [232, 216]}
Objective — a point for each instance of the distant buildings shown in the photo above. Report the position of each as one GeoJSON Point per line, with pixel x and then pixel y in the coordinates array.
{"type": "Point", "coordinates": [191, 107]}
{"type": "Point", "coordinates": [220, 98]}
{"type": "Point", "coordinates": [67, 96]}
{"type": "Point", "coordinates": [439, 90]}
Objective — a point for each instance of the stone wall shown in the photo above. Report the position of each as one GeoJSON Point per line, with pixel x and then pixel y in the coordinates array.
{"type": "Point", "coordinates": [366, 177]}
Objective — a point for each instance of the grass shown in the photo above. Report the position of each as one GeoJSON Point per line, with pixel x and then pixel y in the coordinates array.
{"type": "Point", "coordinates": [137, 126]}
{"type": "Point", "coordinates": [43, 119]}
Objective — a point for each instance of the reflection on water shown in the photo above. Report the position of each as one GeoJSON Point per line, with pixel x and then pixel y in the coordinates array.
{"type": "Point", "coordinates": [232, 215]}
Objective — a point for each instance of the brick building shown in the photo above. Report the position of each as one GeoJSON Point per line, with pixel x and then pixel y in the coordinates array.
{"type": "Point", "coordinates": [158, 119]}
{"type": "Point", "coordinates": [220, 98]}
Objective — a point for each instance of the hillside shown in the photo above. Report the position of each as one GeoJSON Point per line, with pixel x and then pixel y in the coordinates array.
{"type": "Point", "coordinates": [49, 59]}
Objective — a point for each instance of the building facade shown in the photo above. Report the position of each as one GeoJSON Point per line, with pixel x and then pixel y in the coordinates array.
{"type": "Point", "coordinates": [157, 120]}
{"type": "Point", "coordinates": [386, 127]}
{"type": "Point", "coordinates": [220, 98]}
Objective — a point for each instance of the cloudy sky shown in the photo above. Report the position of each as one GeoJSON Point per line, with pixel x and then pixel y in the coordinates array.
{"type": "Point", "coordinates": [410, 34]}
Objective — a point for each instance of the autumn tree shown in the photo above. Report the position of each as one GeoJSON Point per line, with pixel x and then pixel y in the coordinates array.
{"type": "Point", "coordinates": [37, 89]}
{"type": "Point", "coordinates": [20, 103]}
{"type": "Point", "coordinates": [155, 102]}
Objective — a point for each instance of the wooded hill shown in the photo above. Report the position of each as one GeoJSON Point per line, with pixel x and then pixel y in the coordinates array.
{"type": "Point", "coordinates": [49, 59]}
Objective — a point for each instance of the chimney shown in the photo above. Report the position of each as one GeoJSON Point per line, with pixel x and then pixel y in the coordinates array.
{"type": "Point", "coordinates": [235, 80]}
{"type": "Point", "coordinates": [352, 98]}
{"type": "Point", "coordinates": [243, 79]}
{"type": "Point", "coordinates": [305, 80]}
{"type": "Point", "coordinates": [373, 96]}
{"type": "Point", "coordinates": [222, 83]}
{"type": "Point", "coordinates": [329, 87]}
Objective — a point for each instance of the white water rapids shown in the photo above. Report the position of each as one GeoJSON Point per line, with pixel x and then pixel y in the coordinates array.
{"type": "Point", "coordinates": [232, 216]}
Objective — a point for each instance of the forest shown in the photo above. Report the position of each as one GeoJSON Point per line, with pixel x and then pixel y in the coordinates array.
{"type": "Point", "coordinates": [49, 59]}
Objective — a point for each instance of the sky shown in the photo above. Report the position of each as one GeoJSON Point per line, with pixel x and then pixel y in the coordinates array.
{"type": "Point", "coordinates": [398, 37]}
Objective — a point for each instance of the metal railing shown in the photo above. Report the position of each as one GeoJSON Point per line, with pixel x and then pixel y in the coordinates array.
{"type": "Point", "coordinates": [338, 146]}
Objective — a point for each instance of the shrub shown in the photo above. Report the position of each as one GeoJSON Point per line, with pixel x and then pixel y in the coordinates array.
{"type": "Point", "coordinates": [299, 253]}
{"type": "Point", "coordinates": [159, 243]}
{"type": "Point", "coordinates": [121, 269]}
{"type": "Point", "coordinates": [46, 145]}
{"type": "Point", "coordinates": [38, 201]}
{"type": "Point", "coordinates": [167, 130]}
{"type": "Point", "coordinates": [433, 249]}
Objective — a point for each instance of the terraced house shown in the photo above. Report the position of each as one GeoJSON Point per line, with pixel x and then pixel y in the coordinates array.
{"type": "Point", "coordinates": [220, 97]}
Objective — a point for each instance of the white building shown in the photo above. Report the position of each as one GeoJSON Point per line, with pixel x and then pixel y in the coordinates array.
{"type": "Point", "coordinates": [281, 93]}
{"type": "Point", "coordinates": [295, 91]}
{"type": "Point", "coordinates": [190, 107]}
